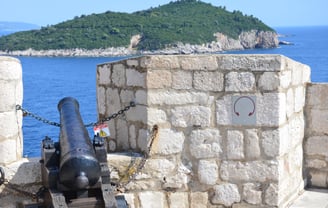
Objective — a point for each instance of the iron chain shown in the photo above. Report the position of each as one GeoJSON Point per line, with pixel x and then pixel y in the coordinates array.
{"type": "Point", "coordinates": [37, 117]}
{"type": "Point", "coordinates": [46, 121]}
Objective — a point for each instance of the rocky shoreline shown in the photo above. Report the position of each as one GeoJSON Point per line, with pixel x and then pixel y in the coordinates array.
{"type": "Point", "coordinates": [246, 40]}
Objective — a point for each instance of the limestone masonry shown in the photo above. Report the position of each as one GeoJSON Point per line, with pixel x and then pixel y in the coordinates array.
{"type": "Point", "coordinates": [237, 131]}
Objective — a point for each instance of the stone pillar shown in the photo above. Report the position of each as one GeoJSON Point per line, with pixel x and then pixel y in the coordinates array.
{"type": "Point", "coordinates": [230, 127]}
{"type": "Point", "coordinates": [11, 94]}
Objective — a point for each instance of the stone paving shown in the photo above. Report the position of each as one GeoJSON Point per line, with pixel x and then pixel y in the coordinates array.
{"type": "Point", "coordinates": [314, 198]}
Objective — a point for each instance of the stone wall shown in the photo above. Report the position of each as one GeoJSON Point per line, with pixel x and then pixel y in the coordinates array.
{"type": "Point", "coordinates": [230, 128]}
{"type": "Point", "coordinates": [316, 139]}
{"type": "Point", "coordinates": [11, 94]}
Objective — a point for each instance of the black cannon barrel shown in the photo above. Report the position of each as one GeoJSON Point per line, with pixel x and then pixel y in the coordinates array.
{"type": "Point", "coordinates": [79, 167]}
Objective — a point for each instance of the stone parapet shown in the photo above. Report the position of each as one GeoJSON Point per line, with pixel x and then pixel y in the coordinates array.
{"type": "Point", "coordinates": [230, 127]}
{"type": "Point", "coordinates": [11, 94]}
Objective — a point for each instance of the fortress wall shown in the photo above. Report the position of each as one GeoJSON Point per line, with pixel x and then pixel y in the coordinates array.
{"type": "Point", "coordinates": [316, 139]}
{"type": "Point", "coordinates": [11, 94]}
{"type": "Point", "coordinates": [230, 127]}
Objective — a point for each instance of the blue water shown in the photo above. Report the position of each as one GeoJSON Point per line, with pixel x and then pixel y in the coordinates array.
{"type": "Point", "coordinates": [47, 80]}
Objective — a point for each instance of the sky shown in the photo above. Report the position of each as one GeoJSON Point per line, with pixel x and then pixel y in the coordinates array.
{"type": "Point", "coordinates": [275, 13]}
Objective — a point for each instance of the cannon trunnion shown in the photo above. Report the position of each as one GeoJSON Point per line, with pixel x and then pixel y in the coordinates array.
{"type": "Point", "coordinates": [74, 170]}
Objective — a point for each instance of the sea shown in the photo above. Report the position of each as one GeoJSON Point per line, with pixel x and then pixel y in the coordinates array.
{"type": "Point", "coordinates": [49, 79]}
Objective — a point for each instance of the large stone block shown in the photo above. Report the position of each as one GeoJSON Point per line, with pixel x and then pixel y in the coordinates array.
{"type": "Point", "coordinates": [252, 144]}
{"type": "Point", "coordinates": [191, 116]}
{"type": "Point", "coordinates": [208, 172]}
{"type": "Point", "coordinates": [101, 100]}
{"type": "Point", "coordinates": [135, 78]}
{"type": "Point", "coordinates": [260, 171]}
{"type": "Point", "coordinates": [150, 199]}
{"type": "Point", "coordinates": [269, 81]}
{"type": "Point", "coordinates": [198, 199]}
{"type": "Point", "coordinates": [235, 145]}
{"type": "Point", "coordinates": [169, 142]}
{"type": "Point", "coordinates": [160, 62]}
{"type": "Point", "coordinates": [252, 193]}
{"type": "Point", "coordinates": [182, 80]}
{"type": "Point", "coordinates": [205, 143]}
{"type": "Point", "coordinates": [317, 145]}
{"type": "Point", "coordinates": [226, 194]}
{"type": "Point", "coordinates": [159, 168]}
{"type": "Point", "coordinates": [317, 96]}
{"type": "Point", "coordinates": [251, 62]}
{"type": "Point", "coordinates": [104, 74]}
{"type": "Point", "coordinates": [118, 76]}
{"type": "Point", "coordinates": [240, 82]}
{"type": "Point", "coordinates": [10, 68]}
{"type": "Point", "coordinates": [8, 95]}
{"type": "Point", "coordinates": [178, 200]}
{"type": "Point", "coordinates": [8, 151]}
{"type": "Point", "coordinates": [224, 110]}
{"type": "Point", "coordinates": [208, 81]}
{"type": "Point", "coordinates": [9, 126]}
{"type": "Point", "coordinates": [317, 121]}
{"type": "Point", "coordinates": [271, 195]}
{"type": "Point", "coordinates": [271, 109]}
{"type": "Point", "coordinates": [207, 63]}
{"type": "Point", "coordinates": [299, 98]}
{"type": "Point", "coordinates": [159, 79]}
{"type": "Point", "coordinates": [167, 97]}
{"type": "Point", "coordinates": [156, 116]}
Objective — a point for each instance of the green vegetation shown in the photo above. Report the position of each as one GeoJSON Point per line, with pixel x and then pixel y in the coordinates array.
{"type": "Point", "coordinates": [186, 21]}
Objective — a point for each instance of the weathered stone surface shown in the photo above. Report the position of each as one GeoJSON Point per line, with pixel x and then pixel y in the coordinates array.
{"type": "Point", "coordinates": [318, 178]}
{"type": "Point", "coordinates": [177, 98]}
{"type": "Point", "coordinates": [159, 79]}
{"type": "Point", "coordinates": [290, 105]}
{"type": "Point", "coordinates": [240, 81]}
{"type": "Point", "coordinates": [169, 142]}
{"type": "Point", "coordinates": [249, 171]}
{"type": "Point", "coordinates": [182, 80]}
{"type": "Point", "coordinates": [132, 62]}
{"type": "Point", "coordinates": [285, 78]}
{"type": "Point", "coordinates": [135, 78]}
{"type": "Point", "coordinates": [8, 95]}
{"type": "Point", "coordinates": [317, 95]}
{"type": "Point", "coordinates": [138, 113]}
{"type": "Point", "coordinates": [208, 81]}
{"type": "Point", "coordinates": [271, 142]}
{"type": "Point", "coordinates": [101, 100]}
{"type": "Point", "coordinates": [224, 110]}
{"type": "Point", "coordinates": [141, 97]}
{"type": "Point", "coordinates": [159, 168]}
{"type": "Point", "coordinates": [150, 199]}
{"type": "Point", "coordinates": [104, 75]}
{"type": "Point", "coordinates": [191, 116]}
{"type": "Point", "coordinates": [235, 145]}
{"type": "Point", "coordinates": [156, 116]}
{"type": "Point", "coordinates": [9, 128]}
{"type": "Point", "coordinates": [315, 163]}
{"type": "Point", "coordinates": [271, 109]}
{"type": "Point", "coordinates": [8, 150]}
{"type": "Point", "coordinates": [207, 63]}
{"type": "Point", "coordinates": [226, 194]}
{"type": "Point", "coordinates": [208, 172]}
{"type": "Point", "coordinates": [269, 81]}
{"type": "Point", "coordinates": [10, 68]}
{"type": "Point", "coordinates": [271, 195]}
{"type": "Point", "coordinates": [299, 98]}
{"type": "Point", "coordinates": [118, 76]}
{"type": "Point", "coordinates": [252, 193]}
{"type": "Point", "coordinates": [132, 137]}
{"type": "Point", "coordinates": [317, 121]}
{"type": "Point", "coordinates": [130, 198]}
{"type": "Point", "coordinates": [142, 139]}
{"type": "Point", "coordinates": [122, 135]}
{"type": "Point", "coordinates": [198, 199]}
{"type": "Point", "coordinates": [251, 62]}
{"type": "Point", "coordinates": [160, 62]}
{"type": "Point", "coordinates": [126, 97]}
{"type": "Point", "coordinates": [113, 102]}
{"type": "Point", "coordinates": [205, 143]}
{"type": "Point", "coordinates": [178, 200]}
{"type": "Point", "coordinates": [252, 145]}
{"type": "Point", "coordinates": [317, 145]}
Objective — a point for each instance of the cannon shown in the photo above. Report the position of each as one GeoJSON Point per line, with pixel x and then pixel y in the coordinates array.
{"type": "Point", "coordinates": [74, 170]}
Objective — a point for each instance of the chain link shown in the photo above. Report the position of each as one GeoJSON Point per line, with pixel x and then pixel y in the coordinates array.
{"type": "Point", "coordinates": [46, 121]}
